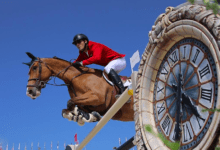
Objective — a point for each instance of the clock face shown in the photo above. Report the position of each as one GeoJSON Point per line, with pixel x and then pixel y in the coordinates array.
{"type": "Point", "coordinates": [192, 60]}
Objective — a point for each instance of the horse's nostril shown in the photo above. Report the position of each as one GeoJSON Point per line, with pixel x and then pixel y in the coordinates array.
{"type": "Point", "coordinates": [30, 91]}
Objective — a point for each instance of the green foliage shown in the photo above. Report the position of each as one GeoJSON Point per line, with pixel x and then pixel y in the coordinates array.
{"type": "Point", "coordinates": [172, 145]}
{"type": "Point", "coordinates": [212, 110]}
{"type": "Point", "coordinates": [214, 6]}
{"type": "Point", "coordinates": [191, 1]}
{"type": "Point", "coordinates": [217, 148]}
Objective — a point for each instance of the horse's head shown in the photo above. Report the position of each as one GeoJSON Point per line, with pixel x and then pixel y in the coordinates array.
{"type": "Point", "coordinates": [39, 74]}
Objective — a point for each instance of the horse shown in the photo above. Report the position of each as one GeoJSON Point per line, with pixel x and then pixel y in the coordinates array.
{"type": "Point", "coordinates": [90, 95]}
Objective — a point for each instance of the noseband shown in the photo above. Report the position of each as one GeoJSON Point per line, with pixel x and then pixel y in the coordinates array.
{"type": "Point", "coordinates": [39, 84]}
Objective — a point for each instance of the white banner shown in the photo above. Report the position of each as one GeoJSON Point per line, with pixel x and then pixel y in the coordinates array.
{"type": "Point", "coordinates": [134, 59]}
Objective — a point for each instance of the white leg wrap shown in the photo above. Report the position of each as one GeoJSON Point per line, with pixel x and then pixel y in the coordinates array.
{"type": "Point", "coordinates": [75, 111]}
{"type": "Point", "coordinates": [69, 116]}
{"type": "Point", "coordinates": [80, 121]}
{"type": "Point", "coordinates": [91, 118]}
{"type": "Point", "coordinates": [78, 117]}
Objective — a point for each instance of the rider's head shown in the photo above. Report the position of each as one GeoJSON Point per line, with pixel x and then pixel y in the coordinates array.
{"type": "Point", "coordinates": [81, 41]}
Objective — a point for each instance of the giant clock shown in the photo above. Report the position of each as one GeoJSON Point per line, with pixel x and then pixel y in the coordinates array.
{"type": "Point", "coordinates": [178, 80]}
{"type": "Point", "coordinates": [186, 84]}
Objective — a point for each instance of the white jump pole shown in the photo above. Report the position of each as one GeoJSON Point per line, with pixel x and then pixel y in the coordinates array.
{"type": "Point", "coordinates": [111, 112]}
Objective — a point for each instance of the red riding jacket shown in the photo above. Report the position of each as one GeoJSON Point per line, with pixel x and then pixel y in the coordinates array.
{"type": "Point", "coordinates": [98, 54]}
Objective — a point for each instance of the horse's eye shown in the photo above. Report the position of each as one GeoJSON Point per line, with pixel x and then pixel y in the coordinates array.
{"type": "Point", "coordinates": [34, 67]}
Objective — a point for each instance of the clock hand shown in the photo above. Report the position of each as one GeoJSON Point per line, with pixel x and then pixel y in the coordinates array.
{"type": "Point", "coordinates": [188, 102]}
{"type": "Point", "coordinates": [178, 90]}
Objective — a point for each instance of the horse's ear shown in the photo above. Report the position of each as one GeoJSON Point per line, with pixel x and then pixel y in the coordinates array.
{"type": "Point", "coordinates": [29, 64]}
{"type": "Point", "coordinates": [31, 56]}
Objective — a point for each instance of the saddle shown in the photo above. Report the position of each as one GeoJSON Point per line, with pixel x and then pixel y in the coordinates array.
{"type": "Point", "coordinates": [126, 81]}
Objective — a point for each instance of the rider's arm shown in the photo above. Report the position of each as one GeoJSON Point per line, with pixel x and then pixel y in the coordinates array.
{"type": "Point", "coordinates": [96, 56]}
{"type": "Point", "coordinates": [80, 58]}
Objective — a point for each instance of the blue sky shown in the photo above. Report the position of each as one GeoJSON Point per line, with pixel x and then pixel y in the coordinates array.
{"type": "Point", "coordinates": [46, 29]}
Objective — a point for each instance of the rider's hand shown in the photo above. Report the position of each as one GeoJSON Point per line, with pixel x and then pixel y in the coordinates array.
{"type": "Point", "coordinates": [76, 64]}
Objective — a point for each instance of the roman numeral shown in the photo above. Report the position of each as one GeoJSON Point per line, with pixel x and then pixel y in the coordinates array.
{"type": "Point", "coordinates": [166, 124]}
{"type": "Point", "coordinates": [186, 132]}
{"type": "Point", "coordinates": [199, 122]}
{"type": "Point", "coordinates": [174, 57]}
{"type": "Point", "coordinates": [160, 90]}
{"type": "Point", "coordinates": [204, 71]}
{"type": "Point", "coordinates": [196, 55]}
{"type": "Point", "coordinates": [184, 52]}
{"type": "Point", "coordinates": [164, 71]}
{"type": "Point", "coordinates": [206, 94]}
{"type": "Point", "coordinates": [161, 108]}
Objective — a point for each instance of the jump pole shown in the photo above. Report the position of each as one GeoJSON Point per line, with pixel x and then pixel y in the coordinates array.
{"type": "Point", "coordinates": [110, 113]}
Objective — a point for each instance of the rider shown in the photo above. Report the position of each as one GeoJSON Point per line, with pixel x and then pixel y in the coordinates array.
{"type": "Point", "coordinates": [95, 53]}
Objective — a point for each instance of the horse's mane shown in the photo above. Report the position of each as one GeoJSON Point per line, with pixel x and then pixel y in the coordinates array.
{"type": "Point", "coordinates": [55, 57]}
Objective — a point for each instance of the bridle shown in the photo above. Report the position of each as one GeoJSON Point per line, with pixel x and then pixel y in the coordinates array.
{"type": "Point", "coordinates": [39, 84]}
{"type": "Point", "coordinates": [42, 84]}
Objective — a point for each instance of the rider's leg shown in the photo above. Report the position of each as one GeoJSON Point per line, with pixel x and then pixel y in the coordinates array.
{"type": "Point", "coordinates": [116, 80]}
{"type": "Point", "coordinates": [113, 68]}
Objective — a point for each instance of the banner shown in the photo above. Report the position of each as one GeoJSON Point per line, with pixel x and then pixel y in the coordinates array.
{"type": "Point", "coordinates": [134, 59]}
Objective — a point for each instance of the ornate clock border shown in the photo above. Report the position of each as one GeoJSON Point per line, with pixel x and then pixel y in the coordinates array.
{"type": "Point", "coordinates": [184, 21]}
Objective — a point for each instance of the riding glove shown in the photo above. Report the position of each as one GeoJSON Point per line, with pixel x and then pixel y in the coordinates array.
{"type": "Point", "coordinates": [77, 64]}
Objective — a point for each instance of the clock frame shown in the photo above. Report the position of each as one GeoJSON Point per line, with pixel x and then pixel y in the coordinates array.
{"type": "Point", "coordinates": [177, 25]}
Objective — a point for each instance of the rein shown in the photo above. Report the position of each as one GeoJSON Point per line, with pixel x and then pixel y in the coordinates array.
{"type": "Point", "coordinates": [41, 84]}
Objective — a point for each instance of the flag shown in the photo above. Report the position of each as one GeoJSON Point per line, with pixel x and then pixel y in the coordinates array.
{"type": "Point", "coordinates": [119, 142]}
{"type": "Point", "coordinates": [13, 147]}
{"type": "Point", "coordinates": [58, 145]}
{"type": "Point", "coordinates": [25, 148]}
{"type": "Point", "coordinates": [75, 139]}
{"type": "Point", "coordinates": [64, 145]}
{"type": "Point", "coordinates": [44, 146]}
{"type": "Point", "coordinates": [0, 146]}
{"type": "Point", "coordinates": [134, 59]}
{"type": "Point", "coordinates": [51, 145]}
{"type": "Point", "coordinates": [32, 146]}
{"type": "Point", "coordinates": [19, 146]}
{"type": "Point", "coordinates": [7, 147]}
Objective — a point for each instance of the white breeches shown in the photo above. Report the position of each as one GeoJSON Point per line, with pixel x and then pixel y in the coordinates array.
{"type": "Point", "coordinates": [118, 65]}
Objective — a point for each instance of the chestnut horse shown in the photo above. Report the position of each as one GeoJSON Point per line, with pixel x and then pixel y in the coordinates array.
{"type": "Point", "coordinates": [90, 94]}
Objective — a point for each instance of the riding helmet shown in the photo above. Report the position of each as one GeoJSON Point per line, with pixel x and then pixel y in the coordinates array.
{"type": "Point", "coordinates": [79, 37]}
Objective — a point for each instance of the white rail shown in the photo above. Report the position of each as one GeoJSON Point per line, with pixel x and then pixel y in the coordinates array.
{"type": "Point", "coordinates": [111, 112]}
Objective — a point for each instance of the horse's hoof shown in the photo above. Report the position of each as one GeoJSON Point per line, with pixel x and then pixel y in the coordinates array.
{"type": "Point", "coordinates": [65, 111]}
{"type": "Point", "coordinates": [80, 122]}
{"type": "Point", "coordinates": [69, 116]}
{"type": "Point", "coordinates": [96, 115]}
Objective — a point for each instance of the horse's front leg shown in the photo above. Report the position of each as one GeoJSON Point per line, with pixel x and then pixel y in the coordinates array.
{"type": "Point", "coordinates": [89, 98]}
{"type": "Point", "coordinates": [74, 113]}
{"type": "Point", "coordinates": [80, 116]}
{"type": "Point", "coordinates": [72, 117]}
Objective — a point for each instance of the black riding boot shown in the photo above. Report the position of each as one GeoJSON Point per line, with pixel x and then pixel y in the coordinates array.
{"type": "Point", "coordinates": [116, 80]}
